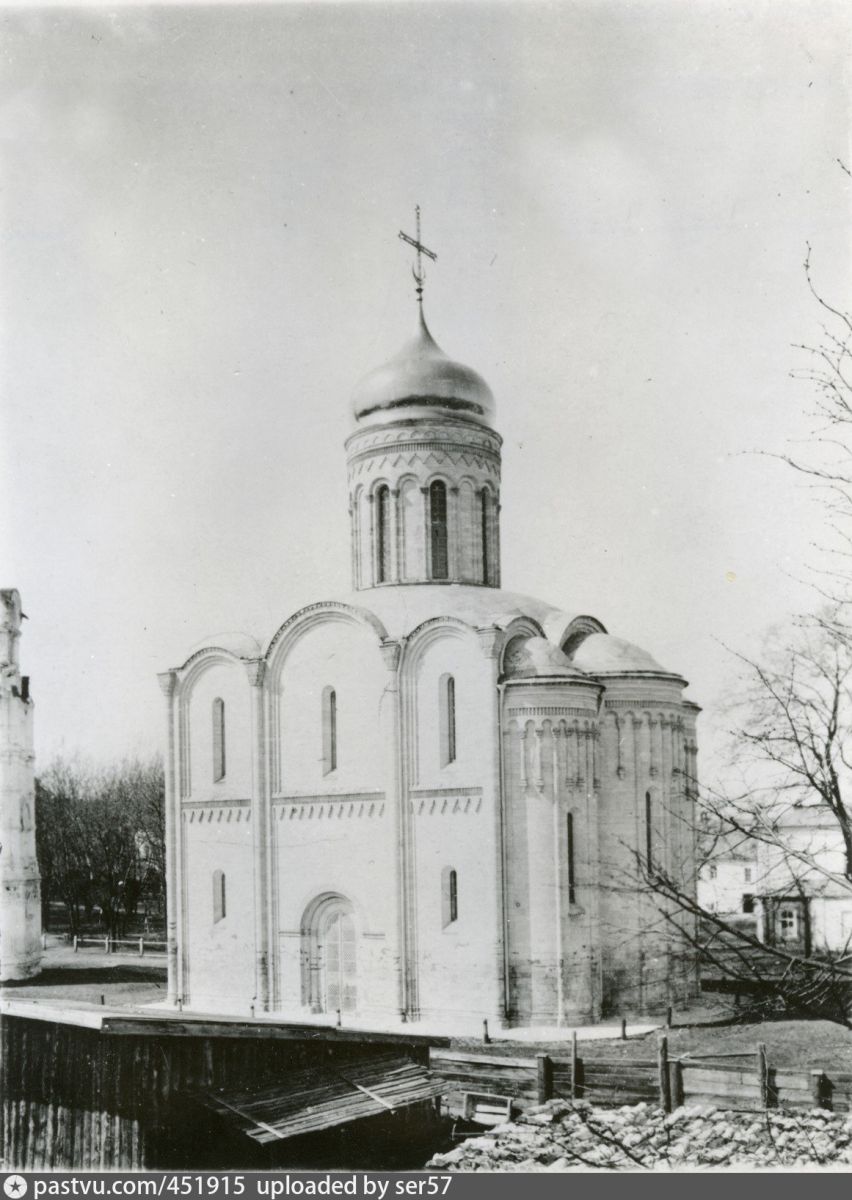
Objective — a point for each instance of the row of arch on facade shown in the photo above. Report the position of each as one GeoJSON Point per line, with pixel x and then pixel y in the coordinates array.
{"type": "Point", "coordinates": [439, 532]}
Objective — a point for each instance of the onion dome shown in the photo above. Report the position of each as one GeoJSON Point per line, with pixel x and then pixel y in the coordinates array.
{"type": "Point", "coordinates": [421, 381]}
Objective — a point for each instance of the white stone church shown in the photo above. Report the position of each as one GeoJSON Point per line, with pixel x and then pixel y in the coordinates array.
{"type": "Point", "coordinates": [425, 800]}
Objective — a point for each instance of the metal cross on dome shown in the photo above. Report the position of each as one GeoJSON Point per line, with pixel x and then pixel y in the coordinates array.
{"type": "Point", "coordinates": [418, 272]}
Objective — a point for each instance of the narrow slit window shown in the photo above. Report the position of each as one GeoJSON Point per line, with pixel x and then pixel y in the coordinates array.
{"type": "Point", "coordinates": [383, 534]}
{"type": "Point", "coordinates": [218, 740]}
{"type": "Point", "coordinates": [569, 852]}
{"type": "Point", "coordinates": [649, 835]}
{"type": "Point", "coordinates": [329, 730]}
{"type": "Point", "coordinates": [447, 717]}
{"type": "Point", "coordinates": [219, 909]}
{"type": "Point", "coordinates": [449, 896]}
{"type": "Point", "coordinates": [438, 529]}
{"type": "Point", "coordinates": [485, 513]}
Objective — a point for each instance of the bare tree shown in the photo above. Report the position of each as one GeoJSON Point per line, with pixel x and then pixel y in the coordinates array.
{"type": "Point", "coordinates": [100, 838]}
{"type": "Point", "coordinates": [788, 791]}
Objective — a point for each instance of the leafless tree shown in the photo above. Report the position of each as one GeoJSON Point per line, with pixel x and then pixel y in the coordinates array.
{"type": "Point", "coordinates": [788, 791]}
{"type": "Point", "coordinates": [100, 839]}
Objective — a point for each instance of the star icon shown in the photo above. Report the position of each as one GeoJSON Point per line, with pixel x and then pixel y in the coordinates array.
{"type": "Point", "coordinates": [15, 1186]}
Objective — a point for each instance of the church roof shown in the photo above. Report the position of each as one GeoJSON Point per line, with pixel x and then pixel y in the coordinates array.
{"type": "Point", "coordinates": [402, 608]}
{"type": "Point", "coordinates": [537, 658]}
{"type": "Point", "coordinates": [603, 654]}
{"type": "Point", "coordinates": [421, 381]}
{"type": "Point", "coordinates": [241, 645]}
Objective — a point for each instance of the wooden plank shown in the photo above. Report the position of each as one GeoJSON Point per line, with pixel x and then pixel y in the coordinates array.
{"type": "Point", "coordinates": [443, 1056]}
{"type": "Point", "coordinates": [736, 1090]}
{"type": "Point", "coordinates": [185, 1026]}
{"type": "Point", "coordinates": [799, 1081]}
{"type": "Point", "coordinates": [735, 1104]}
{"type": "Point", "coordinates": [38, 1010]}
{"type": "Point", "coordinates": [611, 1068]}
{"type": "Point", "coordinates": [697, 1081]}
{"type": "Point", "coordinates": [690, 1066]}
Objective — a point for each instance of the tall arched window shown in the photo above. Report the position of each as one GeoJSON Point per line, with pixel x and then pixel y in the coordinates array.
{"type": "Point", "coordinates": [438, 530]}
{"type": "Point", "coordinates": [329, 730]}
{"type": "Point", "coordinates": [449, 896]}
{"type": "Point", "coordinates": [218, 739]}
{"type": "Point", "coordinates": [569, 854]}
{"type": "Point", "coordinates": [219, 909]}
{"type": "Point", "coordinates": [485, 533]}
{"type": "Point", "coordinates": [383, 534]}
{"type": "Point", "coordinates": [649, 833]}
{"type": "Point", "coordinates": [447, 718]}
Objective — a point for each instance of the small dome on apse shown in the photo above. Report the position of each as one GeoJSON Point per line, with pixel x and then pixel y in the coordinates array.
{"type": "Point", "coordinates": [537, 658]}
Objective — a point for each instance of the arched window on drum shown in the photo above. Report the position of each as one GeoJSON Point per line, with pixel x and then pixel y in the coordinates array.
{"type": "Point", "coordinates": [438, 530]}
{"type": "Point", "coordinates": [383, 534]}
{"type": "Point", "coordinates": [485, 534]}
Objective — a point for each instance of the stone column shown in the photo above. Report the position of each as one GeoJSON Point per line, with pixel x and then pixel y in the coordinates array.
{"type": "Point", "coordinates": [373, 548]}
{"type": "Point", "coordinates": [427, 534]}
{"type": "Point", "coordinates": [395, 534]}
{"type": "Point", "coordinates": [397, 806]}
{"type": "Point", "coordinates": [490, 641]}
{"type": "Point", "coordinates": [454, 534]}
{"type": "Point", "coordinates": [494, 571]}
{"type": "Point", "coordinates": [260, 832]}
{"type": "Point", "coordinates": [167, 681]}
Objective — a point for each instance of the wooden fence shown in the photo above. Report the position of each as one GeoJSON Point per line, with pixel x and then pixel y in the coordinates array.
{"type": "Point", "coordinates": [109, 945]}
{"type": "Point", "coordinates": [738, 1081]}
{"type": "Point", "coordinates": [83, 1095]}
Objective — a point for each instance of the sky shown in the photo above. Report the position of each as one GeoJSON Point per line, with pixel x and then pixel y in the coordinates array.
{"type": "Point", "coordinates": [199, 260]}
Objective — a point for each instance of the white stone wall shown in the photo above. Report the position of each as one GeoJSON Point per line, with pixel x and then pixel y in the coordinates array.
{"type": "Point", "coordinates": [722, 884]}
{"type": "Point", "coordinates": [375, 836]}
{"type": "Point", "coordinates": [215, 835]}
{"type": "Point", "coordinates": [218, 973]}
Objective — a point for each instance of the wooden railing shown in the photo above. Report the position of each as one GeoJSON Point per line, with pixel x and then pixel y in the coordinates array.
{"type": "Point", "coordinates": [737, 1081]}
{"type": "Point", "coordinates": [140, 945]}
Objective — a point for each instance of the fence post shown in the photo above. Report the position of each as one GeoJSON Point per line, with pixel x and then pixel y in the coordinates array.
{"type": "Point", "coordinates": [574, 1065]}
{"type": "Point", "coordinates": [544, 1077]}
{"type": "Point", "coordinates": [486, 1036]}
{"type": "Point", "coordinates": [762, 1075]}
{"type": "Point", "coordinates": [624, 1029]}
{"type": "Point", "coordinates": [669, 1017]}
{"type": "Point", "coordinates": [75, 943]}
{"type": "Point", "coordinates": [663, 1069]}
{"type": "Point", "coordinates": [106, 944]}
{"type": "Point", "coordinates": [676, 1083]}
{"type": "Point", "coordinates": [818, 1089]}
{"type": "Point", "coordinates": [44, 941]}
{"type": "Point", "coordinates": [141, 947]}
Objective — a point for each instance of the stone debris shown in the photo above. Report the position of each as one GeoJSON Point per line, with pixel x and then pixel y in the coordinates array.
{"type": "Point", "coordinates": [559, 1136]}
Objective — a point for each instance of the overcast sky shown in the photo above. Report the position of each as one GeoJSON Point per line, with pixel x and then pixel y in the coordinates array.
{"type": "Point", "coordinates": [200, 208]}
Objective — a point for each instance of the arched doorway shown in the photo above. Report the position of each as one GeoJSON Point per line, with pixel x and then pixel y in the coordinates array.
{"type": "Point", "coordinates": [329, 955]}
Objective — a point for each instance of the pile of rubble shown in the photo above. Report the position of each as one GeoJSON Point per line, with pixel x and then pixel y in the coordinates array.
{"type": "Point", "coordinates": [558, 1136]}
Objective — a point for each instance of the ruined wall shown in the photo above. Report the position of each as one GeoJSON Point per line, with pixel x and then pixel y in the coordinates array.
{"type": "Point", "coordinates": [20, 886]}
